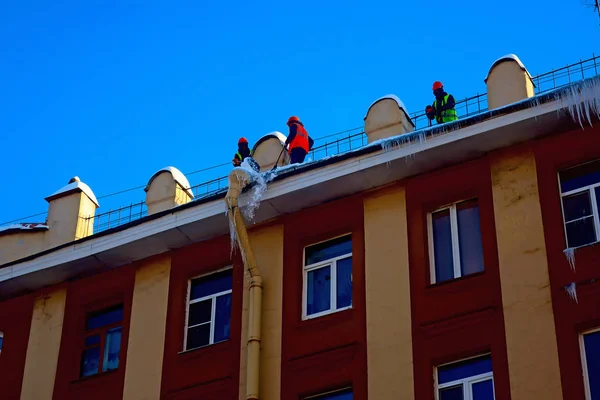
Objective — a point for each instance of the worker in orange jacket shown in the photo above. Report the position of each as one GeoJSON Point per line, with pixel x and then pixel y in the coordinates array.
{"type": "Point", "coordinates": [298, 140]}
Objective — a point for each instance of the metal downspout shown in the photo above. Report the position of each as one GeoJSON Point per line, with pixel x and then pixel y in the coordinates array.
{"type": "Point", "coordinates": [238, 179]}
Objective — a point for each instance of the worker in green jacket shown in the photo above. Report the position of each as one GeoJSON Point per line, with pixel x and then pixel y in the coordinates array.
{"type": "Point", "coordinates": [442, 109]}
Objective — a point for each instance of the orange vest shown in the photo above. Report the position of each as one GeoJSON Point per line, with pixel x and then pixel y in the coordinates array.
{"type": "Point", "coordinates": [300, 140]}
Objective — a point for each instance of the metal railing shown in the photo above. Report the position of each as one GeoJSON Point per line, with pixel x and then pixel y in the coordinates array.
{"type": "Point", "coordinates": [117, 217]}
{"type": "Point", "coordinates": [566, 75]}
{"type": "Point", "coordinates": [355, 138]}
{"type": "Point", "coordinates": [464, 108]}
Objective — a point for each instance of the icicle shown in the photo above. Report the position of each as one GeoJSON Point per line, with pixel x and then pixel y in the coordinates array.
{"type": "Point", "coordinates": [232, 232]}
{"type": "Point", "coordinates": [571, 290]}
{"type": "Point", "coordinates": [570, 254]}
{"type": "Point", "coordinates": [582, 100]}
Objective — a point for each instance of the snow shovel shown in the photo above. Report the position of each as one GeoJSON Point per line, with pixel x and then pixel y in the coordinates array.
{"type": "Point", "coordinates": [277, 162]}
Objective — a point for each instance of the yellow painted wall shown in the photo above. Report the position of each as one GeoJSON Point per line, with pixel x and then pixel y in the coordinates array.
{"type": "Point", "coordinates": [145, 347]}
{"type": "Point", "coordinates": [44, 345]}
{"type": "Point", "coordinates": [14, 246]}
{"type": "Point", "coordinates": [508, 83]}
{"type": "Point", "coordinates": [267, 244]}
{"type": "Point", "coordinates": [389, 340]}
{"type": "Point", "coordinates": [385, 119]}
{"type": "Point", "coordinates": [528, 317]}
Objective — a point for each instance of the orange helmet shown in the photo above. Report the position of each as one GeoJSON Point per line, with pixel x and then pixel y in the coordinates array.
{"type": "Point", "coordinates": [437, 85]}
{"type": "Point", "coordinates": [243, 140]}
{"type": "Point", "coordinates": [293, 119]}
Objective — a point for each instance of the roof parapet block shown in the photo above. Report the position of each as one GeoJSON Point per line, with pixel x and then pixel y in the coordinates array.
{"type": "Point", "coordinates": [166, 189]}
{"type": "Point", "coordinates": [70, 213]}
{"type": "Point", "coordinates": [508, 81]}
{"type": "Point", "coordinates": [268, 150]}
{"type": "Point", "coordinates": [387, 117]}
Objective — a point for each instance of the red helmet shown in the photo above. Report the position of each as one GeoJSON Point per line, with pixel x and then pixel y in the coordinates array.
{"type": "Point", "coordinates": [437, 85]}
{"type": "Point", "coordinates": [243, 140]}
{"type": "Point", "coordinates": [293, 119]}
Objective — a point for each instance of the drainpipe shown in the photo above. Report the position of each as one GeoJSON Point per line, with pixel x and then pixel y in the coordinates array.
{"type": "Point", "coordinates": [238, 179]}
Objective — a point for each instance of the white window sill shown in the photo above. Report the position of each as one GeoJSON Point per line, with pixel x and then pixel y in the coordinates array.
{"type": "Point", "coordinates": [324, 313]}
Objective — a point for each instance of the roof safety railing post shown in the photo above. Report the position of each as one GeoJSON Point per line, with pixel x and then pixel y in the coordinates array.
{"type": "Point", "coordinates": [141, 209]}
{"type": "Point", "coordinates": [595, 66]}
{"type": "Point", "coordinates": [119, 217]}
{"type": "Point", "coordinates": [553, 79]}
{"type": "Point", "coordinates": [350, 141]}
{"type": "Point", "coordinates": [581, 65]}
{"type": "Point", "coordinates": [337, 142]}
{"type": "Point", "coordinates": [569, 73]}
{"type": "Point", "coordinates": [109, 212]}
{"type": "Point", "coordinates": [478, 103]}
{"type": "Point", "coordinates": [467, 107]}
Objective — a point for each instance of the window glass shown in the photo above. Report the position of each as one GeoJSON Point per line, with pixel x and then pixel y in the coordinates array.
{"type": "Point", "coordinates": [209, 310]}
{"type": "Point", "coordinates": [107, 317]}
{"type": "Point", "coordinates": [464, 369]}
{"type": "Point", "coordinates": [577, 206]}
{"type": "Point", "coordinates": [319, 290]}
{"type": "Point", "coordinates": [327, 250]}
{"type": "Point", "coordinates": [580, 176]}
{"type": "Point", "coordinates": [113, 347]}
{"type": "Point", "coordinates": [581, 232]}
{"type": "Point", "coordinates": [483, 390]}
{"type": "Point", "coordinates": [344, 282]}
{"type": "Point", "coordinates": [90, 361]}
{"type": "Point", "coordinates": [198, 336]}
{"type": "Point", "coordinates": [469, 238]}
{"type": "Point", "coordinates": [592, 359]}
{"type": "Point", "coordinates": [452, 393]}
{"type": "Point", "coordinates": [442, 245]}
{"type": "Point", "coordinates": [102, 341]}
{"type": "Point", "coordinates": [200, 312]}
{"type": "Point", "coordinates": [469, 379]}
{"type": "Point", "coordinates": [211, 284]}
{"type": "Point", "coordinates": [223, 318]}
{"type": "Point", "coordinates": [338, 395]}
{"type": "Point", "coordinates": [1, 341]}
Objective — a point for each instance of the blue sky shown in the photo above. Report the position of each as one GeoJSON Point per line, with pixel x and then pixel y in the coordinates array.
{"type": "Point", "coordinates": [112, 91]}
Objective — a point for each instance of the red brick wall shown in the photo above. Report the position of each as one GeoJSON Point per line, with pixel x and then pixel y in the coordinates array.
{"type": "Point", "coordinates": [15, 321]}
{"type": "Point", "coordinates": [84, 296]}
{"type": "Point", "coordinates": [211, 372]}
{"type": "Point", "coordinates": [463, 317]}
{"type": "Point", "coordinates": [328, 352]}
{"type": "Point", "coordinates": [552, 155]}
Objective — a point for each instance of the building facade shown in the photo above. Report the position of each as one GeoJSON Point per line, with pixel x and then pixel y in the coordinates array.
{"type": "Point", "coordinates": [455, 262]}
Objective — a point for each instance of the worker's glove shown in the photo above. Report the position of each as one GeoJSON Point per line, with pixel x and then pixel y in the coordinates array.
{"type": "Point", "coordinates": [429, 112]}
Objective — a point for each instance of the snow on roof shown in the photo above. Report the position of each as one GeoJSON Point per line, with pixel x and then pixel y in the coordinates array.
{"type": "Point", "coordinates": [508, 57]}
{"type": "Point", "coordinates": [178, 176]}
{"type": "Point", "coordinates": [24, 227]}
{"type": "Point", "coordinates": [75, 184]}
{"type": "Point", "coordinates": [391, 97]}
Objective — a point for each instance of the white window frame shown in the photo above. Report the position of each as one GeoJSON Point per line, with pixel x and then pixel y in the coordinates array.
{"type": "Point", "coordinates": [454, 237]}
{"type": "Point", "coordinates": [586, 377]}
{"type": "Point", "coordinates": [595, 215]}
{"type": "Point", "coordinates": [467, 383]}
{"type": "Point", "coordinates": [331, 262]}
{"type": "Point", "coordinates": [213, 297]}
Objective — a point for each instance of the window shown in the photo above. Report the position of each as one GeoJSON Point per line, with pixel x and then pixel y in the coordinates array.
{"type": "Point", "coordinates": [1, 341]}
{"type": "Point", "coordinates": [209, 310]}
{"type": "Point", "coordinates": [345, 394]}
{"type": "Point", "coordinates": [590, 358]}
{"type": "Point", "coordinates": [580, 192]}
{"type": "Point", "coordinates": [327, 277]}
{"type": "Point", "coordinates": [102, 341]}
{"type": "Point", "coordinates": [470, 379]}
{"type": "Point", "coordinates": [455, 247]}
